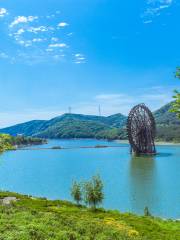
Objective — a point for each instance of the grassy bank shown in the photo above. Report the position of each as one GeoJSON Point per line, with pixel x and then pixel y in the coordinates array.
{"type": "Point", "coordinates": [41, 219]}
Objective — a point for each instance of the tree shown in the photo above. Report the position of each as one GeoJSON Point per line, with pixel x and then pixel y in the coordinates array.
{"type": "Point", "coordinates": [177, 72]}
{"type": "Point", "coordinates": [176, 103]}
{"type": "Point", "coordinates": [76, 192]}
{"type": "Point", "coordinates": [147, 212]}
{"type": "Point", "coordinates": [93, 191]}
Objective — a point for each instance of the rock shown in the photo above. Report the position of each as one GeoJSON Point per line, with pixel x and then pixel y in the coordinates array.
{"type": "Point", "coordinates": [8, 200]}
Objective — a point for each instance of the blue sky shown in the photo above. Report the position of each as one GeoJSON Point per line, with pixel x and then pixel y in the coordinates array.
{"type": "Point", "coordinates": [85, 53]}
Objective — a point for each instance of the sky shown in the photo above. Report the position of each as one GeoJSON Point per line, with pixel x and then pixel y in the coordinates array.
{"type": "Point", "coordinates": [57, 54]}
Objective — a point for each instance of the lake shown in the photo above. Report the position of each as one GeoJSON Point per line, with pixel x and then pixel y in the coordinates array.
{"type": "Point", "coordinates": [131, 183]}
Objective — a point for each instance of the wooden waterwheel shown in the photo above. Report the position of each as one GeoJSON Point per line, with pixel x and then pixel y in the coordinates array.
{"type": "Point", "coordinates": [141, 129]}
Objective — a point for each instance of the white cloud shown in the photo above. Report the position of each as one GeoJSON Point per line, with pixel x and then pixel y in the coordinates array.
{"type": "Point", "coordinates": [69, 34]}
{"type": "Point", "coordinates": [54, 39]}
{"type": "Point", "coordinates": [49, 50]}
{"type": "Point", "coordinates": [26, 43]}
{"type": "Point", "coordinates": [20, 31]}
{"type": "Point", "coordinates": [58, 45]}
{"type": "Point", "coordinates": [147, 22]}
{"type": "Point", "coordinates": [3, 55]}
{"type": "Point", "coordinates": [154, 9]}
{"type": "Point", "coordinates": [63, 24]}
{"type": "Point", "coordinates": [112, 103]}
{"type": "Point", "coordinates": [79, 58]}
{"type": "Point", "coordinates": [3, 12]}
{"type": "Point", "coordinates": [22, 19]}
{"type": "Point", "coordinates": [37, 29]}
{"type": "Point", "coordinates": [38, 40]}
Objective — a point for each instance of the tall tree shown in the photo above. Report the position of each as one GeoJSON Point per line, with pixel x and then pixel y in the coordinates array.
{"type": "Point", "coordinates": [176, 103]}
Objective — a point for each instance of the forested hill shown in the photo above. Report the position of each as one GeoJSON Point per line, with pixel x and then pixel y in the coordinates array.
{"type": "Point", "coordinates": [164, 117]}
{"type": "Point", "coordinates": [168, 125]}
{"type": "Point", "coordinates": [73, 126]}
{"type": "Point", "coordinates": [87, 126]}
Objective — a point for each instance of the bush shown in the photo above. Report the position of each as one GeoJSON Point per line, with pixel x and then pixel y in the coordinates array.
{"type": "Point", "coordinates": [76, 192]}
{"type": "Point", "coordinates": [93, 192]}
{"type": "Point", "coordinates": [147, 212]}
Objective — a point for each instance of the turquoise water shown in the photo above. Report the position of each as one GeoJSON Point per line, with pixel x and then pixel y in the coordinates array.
{"type": "Point", "coordinates": [130, 183]}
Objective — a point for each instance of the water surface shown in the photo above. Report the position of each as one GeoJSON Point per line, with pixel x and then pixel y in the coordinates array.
{"type": "Point", "coordinates": [131, 183]}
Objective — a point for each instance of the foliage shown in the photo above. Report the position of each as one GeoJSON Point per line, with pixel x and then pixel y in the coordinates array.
{"type": "Point", "coordinates": [176, 103]}
{"type": "Point", "coordinates": [168, 125]}
{"type": "Point", "coordinates": [76, 192]}
{"type": "Point", "coordinates": [177, 72]}
{"type": "Point", "coordinates": [21, 140]}
{"type": "Point", "coordinates": [168, 133]}
{"type": "Point", "coordinates": [8, 142]}
{"type": "Point", "coordinates": [40, 219]}
{"type": "Point", "coordinates": [164, 117]}
{"type": "Point", "coordinates": [93, 191]}
{"type": "Point", "coordinates": [147, 212]}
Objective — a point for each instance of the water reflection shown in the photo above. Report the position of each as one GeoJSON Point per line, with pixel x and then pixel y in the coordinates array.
{"type": "Point", "coordinates": [164, 154]}
{"type": "Point", "coordinates": [1, 159]}
{"type": "Point", "coordinates": [143, 183]}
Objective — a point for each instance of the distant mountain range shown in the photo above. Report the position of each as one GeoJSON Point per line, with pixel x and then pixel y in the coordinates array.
{"type": "Point", "coordinates": [89, 126]}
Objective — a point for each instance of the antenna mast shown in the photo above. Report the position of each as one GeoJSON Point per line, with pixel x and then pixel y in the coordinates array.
{"type": "Point", "coordinates": [99, 110]}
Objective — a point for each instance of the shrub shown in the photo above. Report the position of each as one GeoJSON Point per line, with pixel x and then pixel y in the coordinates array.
{"type": "Point", "coordinates": [147, 212]}
{"type": "Point", "coordinates": [76, 192]}
{"type": "Point", "coordinates": [93, 192]}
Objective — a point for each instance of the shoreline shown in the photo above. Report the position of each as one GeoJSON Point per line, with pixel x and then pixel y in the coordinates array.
{"type": "Point", "coordinates": [20, 195]}
{"type": "Point", "coordinates": [113, 140]}
{"type": "Point", "coordinates": [160, 143]}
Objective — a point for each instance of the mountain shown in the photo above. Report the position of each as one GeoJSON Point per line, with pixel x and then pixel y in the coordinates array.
{"type": "Point", "coordinates": [72, 126]}
{"type": "Point", "coordinates": [168, 125]}
{"type": "Point", "coordinates": [164, 117]}
{"type": "Point", "coordinates": [88, 126]}
{"type": "Point", "coordinates": [27, 128]}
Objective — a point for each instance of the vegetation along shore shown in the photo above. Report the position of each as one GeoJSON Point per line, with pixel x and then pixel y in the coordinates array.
{"type": "Point", "coordinates": [8, 142]}
{"type": "Point", "coordinates": [26, 217]}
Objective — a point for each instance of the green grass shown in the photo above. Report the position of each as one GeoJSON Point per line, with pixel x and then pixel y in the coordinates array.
{"type": "Point", "coordinates": [42, 219]}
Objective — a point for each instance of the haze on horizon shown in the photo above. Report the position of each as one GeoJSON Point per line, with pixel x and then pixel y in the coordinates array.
{"type": "Point", "coordinates": [55, 54]}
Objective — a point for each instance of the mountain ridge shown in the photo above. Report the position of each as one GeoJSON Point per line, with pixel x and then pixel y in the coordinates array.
{"type": "Point", "coordinates": [92, 126]}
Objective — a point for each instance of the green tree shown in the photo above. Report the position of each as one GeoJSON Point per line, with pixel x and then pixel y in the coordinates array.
{"type": "Point", "coordinates": [76, 192]}
{"type": "Point", "coordinates": [93, 191]}
{"type": "Point", "coordinates": [176, 103]}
